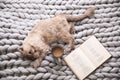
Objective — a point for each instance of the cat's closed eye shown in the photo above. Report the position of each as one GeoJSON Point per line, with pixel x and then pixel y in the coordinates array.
{"type": "Point", "coordinates": [30, 52]}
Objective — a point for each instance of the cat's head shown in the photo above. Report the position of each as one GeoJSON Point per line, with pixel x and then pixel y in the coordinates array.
{"type": "Point", "coordinates": [30, 51]}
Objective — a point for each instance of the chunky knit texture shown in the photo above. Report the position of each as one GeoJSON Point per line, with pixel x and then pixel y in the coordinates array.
{"type": "Point", "coordinates": [17, 17]}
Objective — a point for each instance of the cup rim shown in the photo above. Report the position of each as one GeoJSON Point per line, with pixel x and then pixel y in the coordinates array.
{"type": "Point", "coordinates": [57, 46]}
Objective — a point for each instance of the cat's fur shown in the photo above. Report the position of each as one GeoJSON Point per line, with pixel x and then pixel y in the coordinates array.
{"type": "Point", "coordinates": [60, 27]}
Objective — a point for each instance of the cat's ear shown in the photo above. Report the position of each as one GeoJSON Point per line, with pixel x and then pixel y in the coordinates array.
{"type": "Point", "coordinates": [20, 49]}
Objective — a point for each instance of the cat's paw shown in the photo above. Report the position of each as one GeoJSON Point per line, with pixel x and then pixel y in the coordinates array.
{"type": "Point", "coordinates": [36, 64]}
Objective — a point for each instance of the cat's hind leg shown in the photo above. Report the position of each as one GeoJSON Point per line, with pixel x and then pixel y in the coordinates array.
{"type": "Point", "coordinates": [71, 28]}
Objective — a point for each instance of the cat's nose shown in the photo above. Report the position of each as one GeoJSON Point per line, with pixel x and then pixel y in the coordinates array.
{"type": "Point", "coordinates": [36, 55]}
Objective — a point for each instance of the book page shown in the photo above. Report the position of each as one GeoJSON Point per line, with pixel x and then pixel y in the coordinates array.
{"type": "Point", "coordinates": [87, 57]}
{"type": "Point", "coordinates": [79, 63]}
{"type": "Point", "coordinates": [95, 51]}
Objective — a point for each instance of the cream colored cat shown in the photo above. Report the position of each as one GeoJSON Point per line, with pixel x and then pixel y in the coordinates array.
{"type": "Point", "coordinates": [60, 27]}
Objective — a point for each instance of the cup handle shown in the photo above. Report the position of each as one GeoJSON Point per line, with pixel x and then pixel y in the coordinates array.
{"type": "Point", "coordinates": [58, 61]}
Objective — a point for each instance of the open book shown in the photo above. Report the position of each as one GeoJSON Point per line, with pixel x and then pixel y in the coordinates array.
{"type": "Point", "coordinates": [87, 57]}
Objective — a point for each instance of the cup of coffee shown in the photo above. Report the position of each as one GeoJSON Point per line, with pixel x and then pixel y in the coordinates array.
{"type": "Point", "coordinates": [57, 52]}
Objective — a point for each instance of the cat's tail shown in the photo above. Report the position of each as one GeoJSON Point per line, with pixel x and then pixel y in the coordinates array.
{"type": "Point", "coordinates": [89, 12]}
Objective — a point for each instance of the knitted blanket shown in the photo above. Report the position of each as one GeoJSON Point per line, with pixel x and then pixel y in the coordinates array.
{"type": "Point", "coordinates": [18, 17]}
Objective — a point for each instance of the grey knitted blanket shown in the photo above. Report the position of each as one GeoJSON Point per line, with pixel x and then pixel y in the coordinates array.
{"type": "Point", "coordinates": [17, 17]}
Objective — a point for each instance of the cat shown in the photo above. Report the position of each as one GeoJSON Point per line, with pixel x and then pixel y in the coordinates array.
{"type": "Point", "coordinates": [60, 27]}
